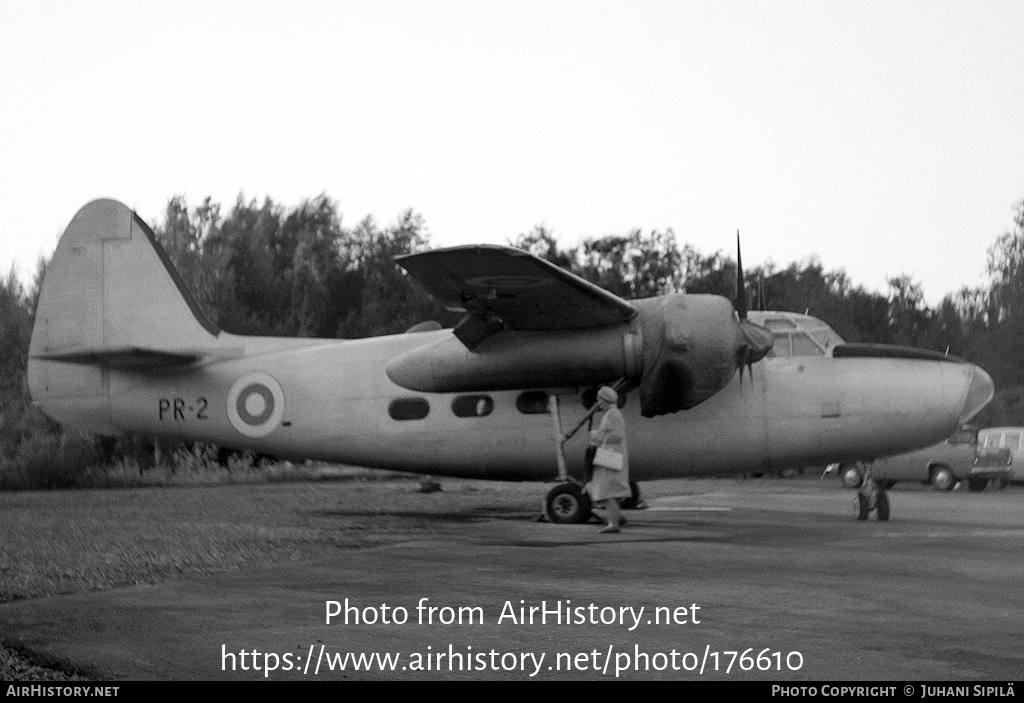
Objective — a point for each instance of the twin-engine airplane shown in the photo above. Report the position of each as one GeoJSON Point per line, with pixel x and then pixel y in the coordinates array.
{"type": "Point", "coordinates": [119, 345]}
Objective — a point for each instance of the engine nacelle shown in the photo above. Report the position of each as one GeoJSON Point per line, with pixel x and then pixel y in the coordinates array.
{"type": "Point", "coordinates": [680, 350]}
{"type": "Point", "coordinates": [518, 359]}
{"type": "Point", "coordinates": [689, 350]}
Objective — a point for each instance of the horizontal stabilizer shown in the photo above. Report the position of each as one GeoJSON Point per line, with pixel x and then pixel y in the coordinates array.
{"type": "Point", "coordinates": [135, 358]}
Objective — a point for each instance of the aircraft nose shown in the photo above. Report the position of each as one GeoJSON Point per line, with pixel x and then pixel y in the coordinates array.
{"type": "Point", "coordinates": [979, 393]}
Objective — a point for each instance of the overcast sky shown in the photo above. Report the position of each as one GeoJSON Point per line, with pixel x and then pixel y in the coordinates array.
{"type": "Point", "coordinates": [883, 137]}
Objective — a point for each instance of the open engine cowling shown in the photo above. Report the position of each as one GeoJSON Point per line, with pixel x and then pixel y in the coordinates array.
{"type": "Point", "coordinates": [679, 350]}
{"type": "Point", "coordinates": [688, 350]}
{"type": "Point", "coordinates": [692, 347]}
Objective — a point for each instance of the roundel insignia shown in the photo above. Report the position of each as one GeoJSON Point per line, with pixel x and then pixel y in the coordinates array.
{"type": "Point", "coordinates": [509, 282]}
{"type": "Point", "coordinates": [255, 404]}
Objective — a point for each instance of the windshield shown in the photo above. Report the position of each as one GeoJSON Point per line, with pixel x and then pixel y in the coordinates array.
{"type": "Point", "coordinates": [796, 334]}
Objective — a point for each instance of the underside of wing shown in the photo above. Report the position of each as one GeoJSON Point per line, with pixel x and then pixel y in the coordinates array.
{"type": "Point", "coordinates": [504, 288]}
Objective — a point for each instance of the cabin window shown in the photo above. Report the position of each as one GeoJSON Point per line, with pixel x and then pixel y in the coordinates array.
{"type": "Point", "coordinates": [408, 409]}
{"type": "Point", "coordinates": [532, 402]}
{"type": "Point", "coordinates": [1011, 440]}
{"type": "Point", "coordinates": [472, 405]}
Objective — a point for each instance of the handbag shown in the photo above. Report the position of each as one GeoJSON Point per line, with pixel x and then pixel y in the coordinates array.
{"type": "Point", "coordinates": [608, 459]}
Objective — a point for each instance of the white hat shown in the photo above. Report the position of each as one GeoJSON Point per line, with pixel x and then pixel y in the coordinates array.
{"type": "Point", "coordinates": [608, 395]}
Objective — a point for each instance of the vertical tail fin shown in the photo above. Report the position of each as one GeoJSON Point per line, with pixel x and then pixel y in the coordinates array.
{"type": "Point", "coordinates": [110, 298]}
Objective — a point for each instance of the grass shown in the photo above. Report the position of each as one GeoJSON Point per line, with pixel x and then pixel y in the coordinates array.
{"type": "Point", "coordinates": [72, 460]}
{"type": "Point", "coordinates": [192, 523]}
{"type": "Point", "coordinates": [72, 541]}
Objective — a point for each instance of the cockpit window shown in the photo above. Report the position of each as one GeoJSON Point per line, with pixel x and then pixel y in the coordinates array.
{"type": "Point", "coordinates": [781, 346]}
{"type": "Point", "coordinates": [803, 345]}
{"type": "Point", "coordinates": [822, 337]}
{"type": "Point", "coordinates": [779, 323]}
{"type": "Point", "coordinates": [796, 343]}
{"type": "Point", "coordinates": [796, 334]}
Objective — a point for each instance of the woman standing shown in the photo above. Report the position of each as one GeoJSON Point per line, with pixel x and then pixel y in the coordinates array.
{"type": "Point", "coordinates": [611, 462]}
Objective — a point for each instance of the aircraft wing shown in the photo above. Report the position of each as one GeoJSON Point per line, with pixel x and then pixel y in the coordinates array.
{"type": "Point", "coordinates": [504, 288]}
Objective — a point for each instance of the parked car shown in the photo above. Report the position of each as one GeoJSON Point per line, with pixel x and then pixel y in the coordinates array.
{"type": "Point", "coordinates": [959, 458]}
{"type": "Point", "coordinates": [1010, 439]}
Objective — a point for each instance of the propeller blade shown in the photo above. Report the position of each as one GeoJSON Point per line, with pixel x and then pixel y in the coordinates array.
{"type": "Point", "coordinates": [754, 340]}
{"type": "Point", "coordinates": [741, 292]}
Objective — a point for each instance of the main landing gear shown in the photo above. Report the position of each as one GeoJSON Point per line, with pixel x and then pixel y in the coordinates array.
{"type": "Point", "coordinates": [871, 496]}
{"type": "Point", "coordinates": [567, 503]}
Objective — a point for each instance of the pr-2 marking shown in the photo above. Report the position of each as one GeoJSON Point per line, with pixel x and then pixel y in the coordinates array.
{"type": "Point", "coordinates": [179, 409]}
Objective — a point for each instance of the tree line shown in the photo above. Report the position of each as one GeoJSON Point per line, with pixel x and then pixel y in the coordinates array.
{"type": "Point", "coordinates": [264, 268]}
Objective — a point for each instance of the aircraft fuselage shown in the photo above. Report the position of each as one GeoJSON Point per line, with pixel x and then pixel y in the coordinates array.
{"type": "Point", "coordinates": [120, 345]}
{"type": "Point", "coordinates": [333, 399]}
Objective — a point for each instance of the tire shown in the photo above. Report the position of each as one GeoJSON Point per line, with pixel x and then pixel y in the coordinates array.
{"type": "Point", "coordinates": [977, 485]}
{"type": "Point", "coordinates": [851, 475]}
{"type": "Point", "coordinates": [860, 507]}
{"type": "Point", "coordinates": [567, 504]}
{"type": "Point", "coordinates": [882, 505]}
{"type": "Point", "coordinates": [633, 501]}
{"type": "Point", "coordinates": [1003, 483]}
{"type": "Point", "coordinates": [942, 479]}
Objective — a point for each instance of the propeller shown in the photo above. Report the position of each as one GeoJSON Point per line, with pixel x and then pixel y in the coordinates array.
{"type": "Point", "coordinates": [754, 341]}
{"type": "Point", "coordinates": [741, 291]}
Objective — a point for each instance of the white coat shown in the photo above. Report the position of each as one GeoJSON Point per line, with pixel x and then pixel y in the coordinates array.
{"type": "Point", "coordinates": [611, 434]}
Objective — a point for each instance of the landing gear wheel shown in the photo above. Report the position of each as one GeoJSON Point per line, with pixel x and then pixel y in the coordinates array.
{"type": "Point", "coordinates": [882, 505]}
{"type": "Point", "coordinates": [943, 479]}
{"type": "Point", "coordinates": [976, 485]}
{"type": "Point", "coordinates": [861, 507]}
{"type": "Point", "coordinates": [567, 504]}
{"type": "Point", "coordinates": [635, 501]}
